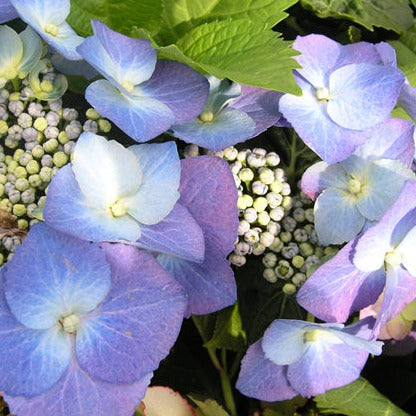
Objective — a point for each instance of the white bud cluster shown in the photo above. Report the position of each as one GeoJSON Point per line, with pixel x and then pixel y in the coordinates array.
{"type": "Point", "coordinates": [37, 138]}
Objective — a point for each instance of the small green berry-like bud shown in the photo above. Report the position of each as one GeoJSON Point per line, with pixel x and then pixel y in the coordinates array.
{"type": "Point", "coordinates": [258, 249]}
{"type": "Point", "coordinates": [51, 146]}
{"type": "Point", "coordinates": [60, 159]}
{"type": "Point", "coordinates": [276, 186]}
{"type": "Point", "coordinates": [289, 289]}
{"type": "Point", "coordinates": [237, 260]}
{"type": "Point", "coordinates": [1, 259]}
{"type": "Point", "coordinates": [19, 210]}
{"type": "Point", "coordinates": [274, 199]}
{"type": "Point", "coordinates": [241, 204]}
{"type": "Point", "coordinates": [277, 245]}
{"type": "Point", "coordinates": [92, 114]}
{"type": "Point", "coordinates": [270, 275]}
{"type": "Point", "coordinates": [40, 124]}
{"type": "Point", "coordinates": [266, 238]}
{"type": "Point", "coordinates": [284, 270]}
{"type": "Point", "coordinates": [260, 204]}
{"type": "Point", "coordinates": [63, 137]}
{"type": "Point", "coordinates": [272, 159]}
{"type": "Point", "coordinates": [20, 172]}
{"type": "Point", "coordinates": [17, 153]}
{"type": "Point", "coordinates": [6, 205]}
{"type": "Point", "coordinates": [285, 236]}
{"type": "Point", "coordinates": [246, 175]}
{"type": "Point", "coordinates": [263, 218]}
{"type": "Point", "coordinates": [269, 260]}
{"type": "Point", "coordinates": [306, 249]}
{"type": "Point", "coordinates": [3, 127]}
{"type": "Point", "coordinates": [3, 179]}
{"type": "Point", "coordinates": [12, 166]}
{"type": "Point", "coordinates": [21, 184]}
{"type": "Point", "coordinates": [298, 261]}
{"type": "Point", "coordinates": [104, 125]}
{"type": "Point", "coordinates": [251, 236]}
{"type": "Point", "coordinates": [266, 176]}
{"type": "Point", "coordinates": [22, 224]}
{"type": "Point", "coordinates": [32, 167]}
{"type": "Point", "coordinates": [1, 190]}
{"type": "Point", "coordinates": [276, 214]}
{"type": "Point", "coordinates": [37, 151]}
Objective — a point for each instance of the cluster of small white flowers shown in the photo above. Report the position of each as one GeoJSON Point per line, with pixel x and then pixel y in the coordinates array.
{"type": "Point", "coordinates": [273, 224]}
{"type": "Point", "coordinates": [37, 138]}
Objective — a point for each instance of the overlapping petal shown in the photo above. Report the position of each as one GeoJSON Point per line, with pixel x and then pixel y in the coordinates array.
{"type": "Point", "coordinates": [7, 11]}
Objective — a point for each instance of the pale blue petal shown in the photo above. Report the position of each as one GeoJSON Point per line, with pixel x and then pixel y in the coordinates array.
{"type": "Point", "coordinates": [373, 245]}
{"type": "Point", "coordinates": [138, 322]}
{"type": "Point", "coordinates": [340, 287]}
{"type": "Point", "coordinates": [356, 167]}
{"type": "Point", "coordinates": [407, 251]}
{"type": "Point", "coordinates": [65, 275]}
{"type": "Point", "coordinates": [66, 210]}
{"type": "Point", "coordinates": [337, 219]}
{"type": "Point", "coordinates": [228, 128]}
{"type": "Point", "coordinates": [158, 192]}
{"type": "Point", "coordinates": [42, 12]}
{"type": "Point", "coordinates": [283, 342]}
{"type": "Point", "coordinates": [142, 118]}
{"type": "Point", "coordinates": [321, 176]}
{"type": "Point", "coordinates": [310, 119]}
{"type": "Point", "coordinates": [178, 226]}
{"type": "Point", "coordinates": [392, 139]}
{"type": "Point", "coordinates": [384, 181]}
{"type": "Point", "coordinates": [261, 378]}
{"type": "Point", "coordinates": [181, 88]}
{"type": "Point", "coordinates": [319, 56]}
{"type": "Point", "coordinates": [11, 49]}
{"type": "Point", "coordinates": [363, 95]}
{"type": "Point", "coordinates": [221, 92]}
{"type": "Point", "coordinates": [79, 394]}
{"type": "Point", "coordinates": [32, 51]}
{"type": "Point", "coordinates": [67, 67]}
{"type": "Point", "coordinates": [358, 53]}
{"type": "Point", "coordinates": [105, 170]}
{"type": "Point", "coordinates": [132, 59]}
{"type": "Point", "coordinates": [7, 11]}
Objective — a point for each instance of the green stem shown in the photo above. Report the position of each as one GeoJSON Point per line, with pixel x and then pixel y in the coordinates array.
{"type": "Point", "coordinates": [236, 363]}
{"type": "Point", "coordinates": [282, 307]}
{"type": "Point", "coordinates": [16, 84]}
{"type": "Point", "coordinates": [310, 317]}
{"type": "Point", "coordinates": [227, 391]}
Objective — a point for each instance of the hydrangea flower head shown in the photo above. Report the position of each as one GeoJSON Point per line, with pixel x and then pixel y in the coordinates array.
{"type": "Point", "coordinates": [233, 113]}
{"type": "Point", "coordinates": [83, 326]}
{"type": "Point", "coordinates": [109, 191]}
{"type": "Point", "coordinates": [345, 91]}
{"type": "Point", "coordinates": [141, 95]}
{"type": "Point", "coordinates": [382, 258]}
{"type": "Point", "coordinates": [19, 53]}
{"type": "Point", "coordinates": [47, 17]}
{"type": "Point", "coordinates": [352, 194]}
{"type": "Point", "coordinates": [297, 357]}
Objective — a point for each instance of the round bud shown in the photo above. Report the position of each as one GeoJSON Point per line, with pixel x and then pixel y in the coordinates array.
{"type": "Point", "coordinates": [289, 289]}
{"type": "Point", "coordinates": [270, 275]}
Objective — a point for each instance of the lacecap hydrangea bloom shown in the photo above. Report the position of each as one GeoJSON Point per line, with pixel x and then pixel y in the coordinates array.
{"type": "Point", "coordinates": [346, 90]}
{"type": "Point", "coordinates": [354, 193]}
{"type": "Point", "coordinates": [83, 325]}
{"type": "Point", "coordinates": [232, 113]}
{"type": "Point", "coordinates": [380, 259]}
{"type": "Point", "coordinates": [47, 17]}
{"type": "Point", "coordinates": [141, 95]}
{"type": "Point", "coordinates": [297, 357]}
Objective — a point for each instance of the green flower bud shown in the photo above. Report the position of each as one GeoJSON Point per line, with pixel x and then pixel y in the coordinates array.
{"type": "Point", "coordinates": [33, 167]}
{"type": "Point", "coordinates": [40, 124]}
{"type": "Point", "coordinates": [38, 152]}
{"type": "Point", "coordinates": [260, 204]}
{"type": "Point", "coordinates": [63, 137]}
{"type": "Point", "coordinates": [3, 127]}
{"type": "Point", "coordinates": [270, 275]}
{"type": "Point", "coordinates": [19, 210]}
{"type": "Point", "coordinates": [104, 125]}
{"type": "Point", "coordinates": [284, 270]}
{"type": "Point", "coordinates": [266, 176]}
{"type": "Point", "coordinates": [246, 175]}
{"type": "Point", "coordinates": [21, 184]}
{"type": "Point", "coordinates": [1, 190]}
{"type": "Point", "coordinates": [22, 224]}
{"type": "Point", "coordinates": [92, 114]}
{"type": "Point", "coordinates": [60, 159]}
{"type": "Point", "coordinates": [277, 245]}
{"type": "Point", "coordinates": [306, 249]}
{"type": "Point", "coordinates": [269, 260]}
{"type": "Point", "coordinates": [276, 186]}
{"type": "Point", "coordinates": [285, 236]}
{"type": "Point", "coordinates": [51, 146]}
{"type": "Point", "coordinates": [17, 153]}
{"type": "Point", "coordinates": [6, 205]}
{"type": "Point", "coordinates": [3, 179]}
{"type": "Point", "coordinates": [298, 261]}
{"type": "Point", "coordinates": [263, 218]}
{"type": "Point", "coordinates": [20, 172]}
{"type": "Point", "coordinates": [12, 166]}
{"type": "Point", "coordinates": [289, 289]}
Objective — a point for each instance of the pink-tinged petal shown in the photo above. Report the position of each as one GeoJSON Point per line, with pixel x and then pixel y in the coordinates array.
{"type": "Point", "coordinates": [318, 58]}
{"type": "Point", "coordinates": [363, 95]}
{"type": "Point", "coordinates": [260, 105]}
{"type": "Point", "coordinates": [400, 291]}
{"type": "Point", "coordinates": [178, 235]}
{"type": "Point", "coordinates": [179, 87]}
{"type": "Point", "coordinates": [134, 328]}
{"type": "Point", "coordinates": [79, 394]}
{"type": "Point", "coordinates": [373, 245]}
{"type": "Point", "coordinates": [164, 401]}
{"type": "Point", "coordinates": [210, 285]}
{"type": "Point", "coordinates": [321, 176]}
{"type": "Point", "coordinates": [340, 287]}
{"type": "Point", "coordinates": [325, 366]}
{"type": "Point", "coordinates": [310, 119]}
{"type": "Point", "coordinates": [392, 139]}
{"type": "Point", "coordinates": [216, 214]}
{"type": "Point", "coordinates": [261, 378]}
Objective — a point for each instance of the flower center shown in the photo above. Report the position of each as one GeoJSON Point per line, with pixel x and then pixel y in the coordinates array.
{"type": "Point", "coordinates": [206, 116]}
{"type": "Point", "coordinates": [393, 258]}
{"type": "Point", "coordinates": [119, 208]}
{"type": "Point", "coordinates": [10, 73]}
{"type": "Point", "coordinates": [70, 323]}
{"type": "Point", "coordinates": [51, 29]}
{"type": "Point", "coordinates": [354, 186]}
{"type": "Point", "coordinates": [128, 86]}
{"type": "Point", "coordinates": [322, 94]}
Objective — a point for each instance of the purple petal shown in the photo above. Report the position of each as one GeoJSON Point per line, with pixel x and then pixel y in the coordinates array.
{"type": "Point", "coordinates": [262, 379]}
{"type": "Point", "coordinates": [181, 88]}
{"type": "Point", "coordinates": [217, 215]}
{"type": "Point", "coordinates": [387, 53]}
{"type": "Point", "coordinates": [363, 94]}
{"type": "Point", "coordinates": [392, 139]}
{"type": "Point", "coordinates": [7, 11]}
{"type": "Point", "coordinates": [179, 226]}
{"type": "Point", "coordinates": [319, 56]}
{"type": "Point", "coordinates": [407, 100]}
{"type": "Point", "coordinates": [138, 322]}
{"type": "Point", "coordinates": [261, 105]}
{"type": "Point", "coordinates": [340, 287]}
{"type": "Point", "coordinates": [141, 117]}
{"type": "Point", "coordinates": [66, 211]}
{"type": "Point", "coordinates": [310, 119]}
{"type": "Point", "coordinates": [356, 53]}
{"type": "Point", "coordinates": [53, 274]}
{"type": "Point", "coordinates": [316, 371]}
{"type": "Point", "coordinates": [79, 394]}
{"type": "Point", "coordinates": [210, 285]}
{"type": "Point", "coordinates": [31, 361]}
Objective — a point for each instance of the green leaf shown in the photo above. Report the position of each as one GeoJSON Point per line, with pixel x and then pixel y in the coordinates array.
{"type": "Point", "coordinates": [390, 14]}
{"type": "Point", "coordinates": [209, 407]}
{"type": "Point", "coordinates": [181, 16]}
{"type": "Point", "coordinates": [118, 15]}
{"type": "Point", "coordinates": [242, 51]}
{"type": "Point", "coordinates": [228, 332]}
{"type": "Point", "coordinates": [406, 53]}
{"type": "Point", "coordinates": [284, 408]}
{"type": "Point", "coordinates": [359, 398]}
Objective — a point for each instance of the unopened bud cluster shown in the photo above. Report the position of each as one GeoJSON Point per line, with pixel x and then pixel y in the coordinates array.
{"type": "Point", "coordinates": [272, 223]}
{"type": "Point", "coordinates": [36, 139]}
